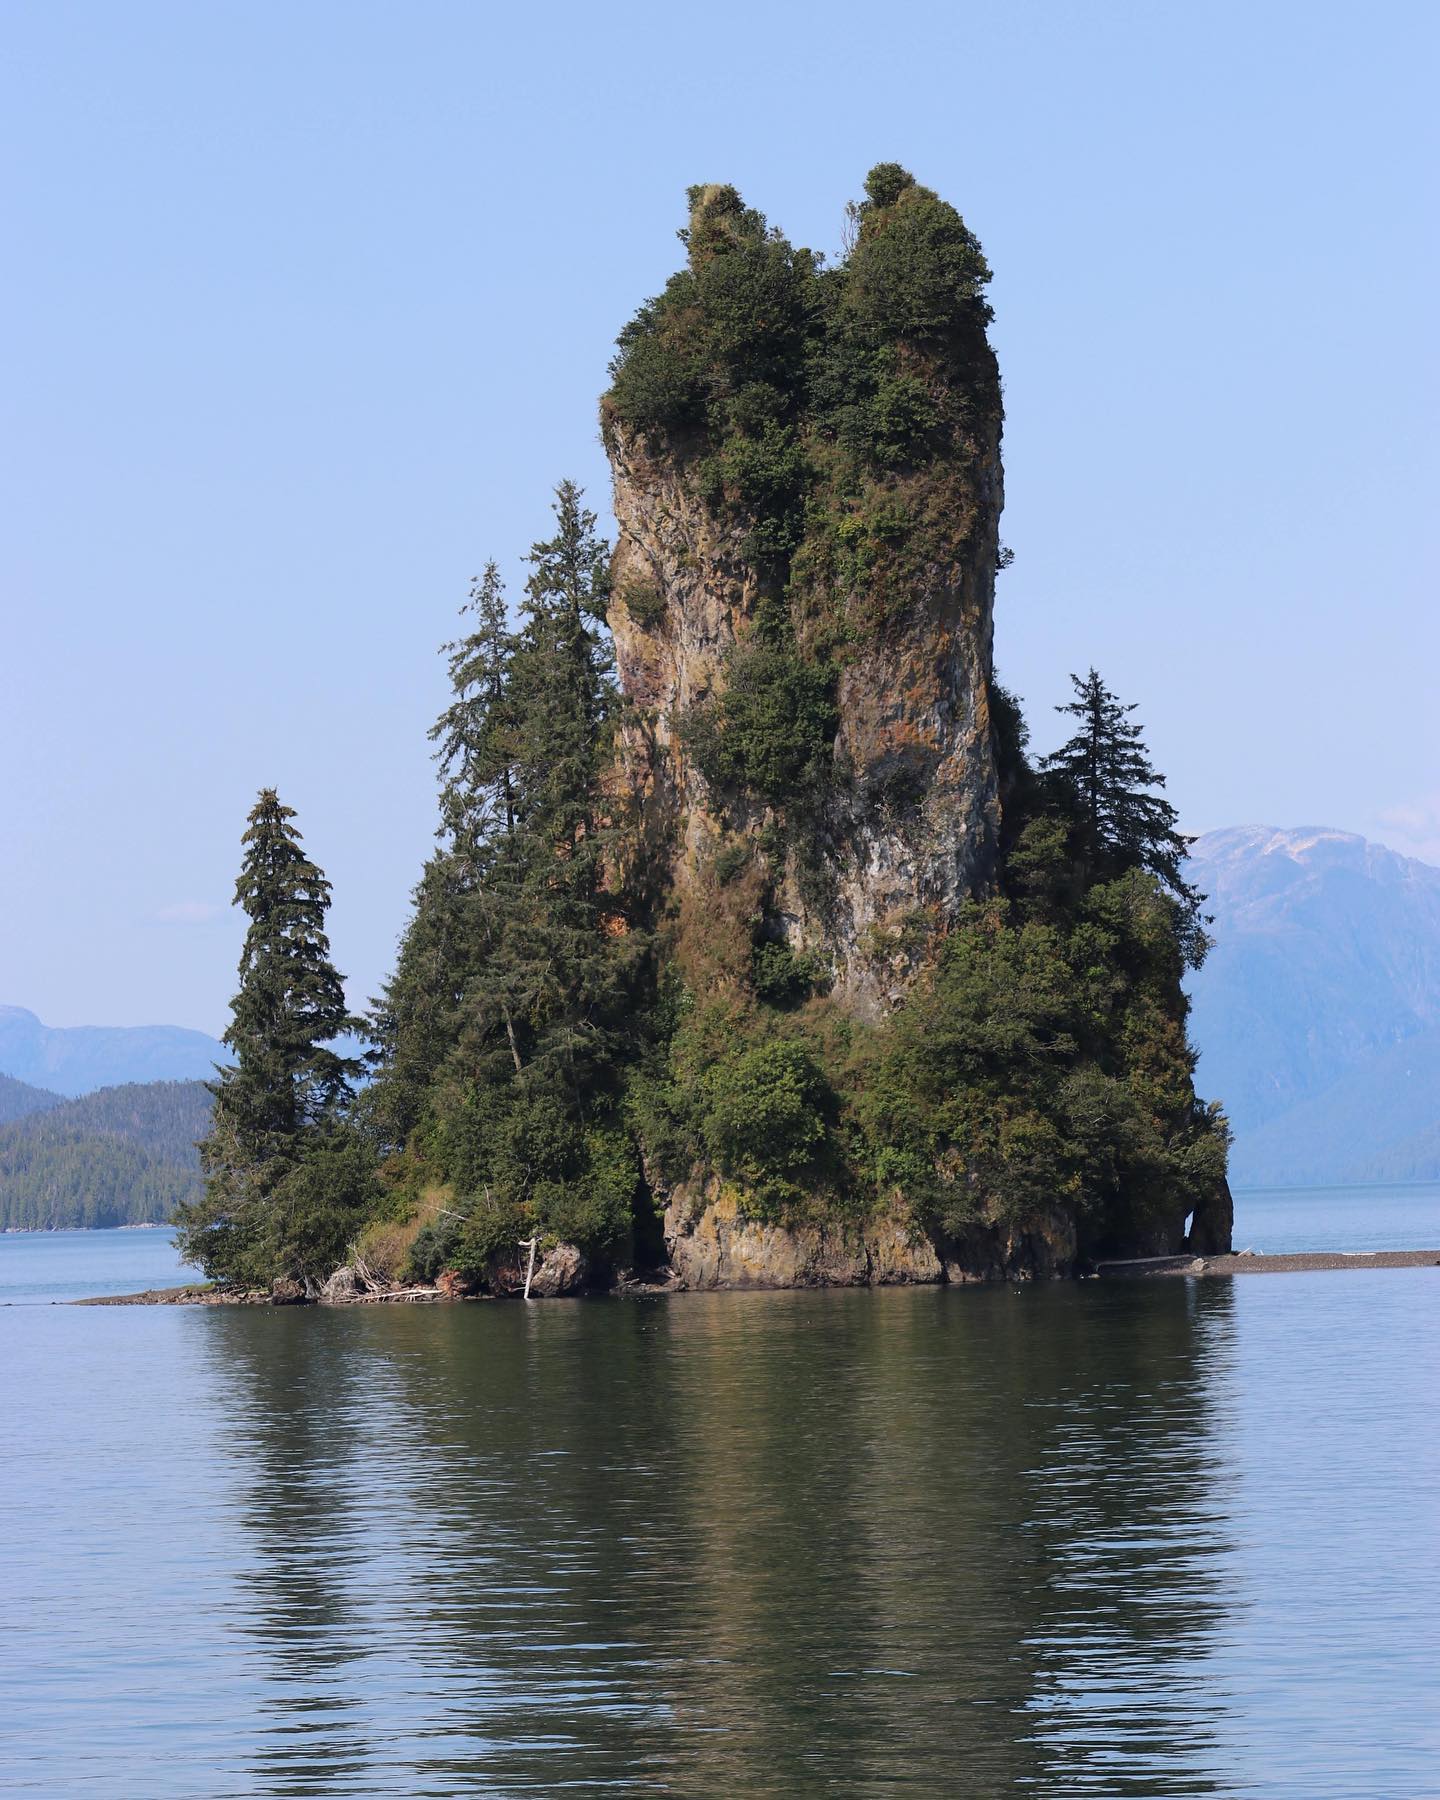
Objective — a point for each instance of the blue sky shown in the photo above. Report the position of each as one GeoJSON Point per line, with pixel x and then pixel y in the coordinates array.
{"type": "Point", "coordinates": [310, 304]}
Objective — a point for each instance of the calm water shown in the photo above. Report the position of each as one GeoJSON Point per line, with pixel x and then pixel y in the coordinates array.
{"type": "Point", "coordinates": [42, 1268]}
{"type": "Point", "coordinates": [1132, 1539]}
{"type": "Point", "coordinates": [39, 1268]}
{"type": "Point", "coordinates": [1338, 1218]}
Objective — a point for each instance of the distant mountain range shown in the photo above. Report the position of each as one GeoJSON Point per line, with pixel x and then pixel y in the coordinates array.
{"type": "Point", "coordinates": [120, 1156]}
{"type": "Point", "coordinates": [1317, 1014]}
{"type": "Point", "coordinates": [77, 1059]}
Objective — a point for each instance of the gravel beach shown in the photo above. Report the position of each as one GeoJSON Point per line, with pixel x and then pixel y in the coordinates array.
{"type": "Point", "coordinates": [1251, 1262]}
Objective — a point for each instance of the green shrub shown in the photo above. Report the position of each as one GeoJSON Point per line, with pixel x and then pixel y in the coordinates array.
{"type": "Point", "coordinates": [899, 421]}
{"type": "Point", "coordinates": [661, 1113]}
{"type": "Point", "coordinates": [763, 479]}
{"type": "Point", "coordinates": [768, 1112]}
{"type": "Point", "coordinates": [782, 976]}
{"type": "Point", "coordinates": [915, 271]}
{"type": "Point", "coordinates": [644, 601]}
{"type": "Point", "coordinates": [886, 182]}
{"type": "Point", "coordinates": [772, 731]}
{"type": "Point", "coordinates": [736, 317]}
{"type": "Point", "coordinates": [320, 1205]}
{"type": "Point", "coordinates": [730, 862]}
{"type": "Point", "coordinates": [596, 1210]}
{"type": "Point", "coordinates": [434, 1248]}
{"type": "Point", "coordinates": [493, 1228]}
{"type": "Point", "coordinates": [659, 375]}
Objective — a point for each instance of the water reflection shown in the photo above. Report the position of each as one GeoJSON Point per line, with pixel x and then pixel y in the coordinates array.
{"type": "Point", "coordinates": [778, 1544]}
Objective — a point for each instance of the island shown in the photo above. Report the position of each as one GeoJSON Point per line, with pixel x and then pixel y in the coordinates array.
{"type": "Point", "coordinates": [756, 948]}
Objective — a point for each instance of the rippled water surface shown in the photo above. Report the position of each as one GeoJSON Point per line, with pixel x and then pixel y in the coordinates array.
{"type": "Point", "coordinates": [45, 1268]}
{"type": "Point", "coordinates": [1139, 1539]}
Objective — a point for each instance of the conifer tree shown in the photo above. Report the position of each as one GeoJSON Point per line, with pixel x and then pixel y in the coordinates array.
{"type": "Point", "coordinates": [474, 736]}
{"type": "Point", "coordinates": [416, 1021]}
{"type": "Point", "coordinates": [1121, 823]}
{"type": "Point", "coordinates": [283, 1097]}
{"type": "Point", "coordinates": [542, 905]}
{"type": "Point", "coordinates": [505, 1025]}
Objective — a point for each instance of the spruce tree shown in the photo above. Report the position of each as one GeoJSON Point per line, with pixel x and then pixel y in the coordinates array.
{"type": "Point", "coordinates": [1121, 823]}
{"type": "Point", "coordinates": [416, 1022]}
{"type": "Point", "coordinates": [512, 1007]}
{"type": "Point", "coordinates": [282, 1100]}
{"type": "Point", "coordinates": [544, 918]}
{"type": "Point", "coordinates": [475, 735]}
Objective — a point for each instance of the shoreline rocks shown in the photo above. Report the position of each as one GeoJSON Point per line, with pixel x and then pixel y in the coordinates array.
{"type": "Point", "coordinates": [712, 1245]}
{"type": "Point", "coordinates": [717, 1250]}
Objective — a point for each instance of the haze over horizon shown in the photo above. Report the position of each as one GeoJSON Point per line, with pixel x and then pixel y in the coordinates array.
{"type": "Point", "coordinates": [317, 305]}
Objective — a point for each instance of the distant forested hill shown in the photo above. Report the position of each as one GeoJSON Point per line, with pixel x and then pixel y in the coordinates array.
{"type": "Point", "coordinates": [76, 1059]}
{"type": "Point", "coordinates": [1317, 1014]}
{"type": "Point", "coordinates": [122, 1156]}
{"type": "Point", "coordinates": [17, 1098]}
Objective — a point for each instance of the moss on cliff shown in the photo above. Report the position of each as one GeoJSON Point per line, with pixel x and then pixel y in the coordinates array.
{"type": "Point", "coordinates": [835, 416]}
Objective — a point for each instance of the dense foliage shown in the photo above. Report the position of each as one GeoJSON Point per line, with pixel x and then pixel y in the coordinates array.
{"type": "Point", "coordinates": [122, 1156]}
{"type": "Point", "coordinates": [513, 1010]}
{"type": "Point", "coordinates": [1041, 1060]}
{"type": "Point", "coordinates": [837, 415]}
{"type": "Point", "coordinates": [1045, 1062]}
{"type": "Point", "coordinates": [287, 1182]}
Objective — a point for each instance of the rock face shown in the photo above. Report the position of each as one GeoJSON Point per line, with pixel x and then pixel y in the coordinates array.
{"type": "Point", "coordinates": [1213, 1224]}
{"type": "Point", "coordinates": [450, 1284]}
{"type": "Point", "coordinates": [341, 1287]}
{"type": "Point", "coordinates": [912, 829]}
{"type": "Point", "coordinates": [810, 507]}
{"type": "Point", "coordinates": [712, 1245]}
{"type": "Point", "coordinates": [562, 1269]}
{"type": "Point", "coordinates": [808, 486]}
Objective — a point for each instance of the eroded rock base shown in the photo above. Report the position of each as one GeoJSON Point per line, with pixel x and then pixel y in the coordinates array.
{"type": "Point", "coordinates": [712, 1244]}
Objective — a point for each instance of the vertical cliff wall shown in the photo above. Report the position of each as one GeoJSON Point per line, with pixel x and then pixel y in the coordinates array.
{"type": "Point", "coordinates": [808, 486]}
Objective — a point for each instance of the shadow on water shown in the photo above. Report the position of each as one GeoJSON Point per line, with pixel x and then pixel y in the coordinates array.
{"type": "Point", "coordinates": [767, 1543]}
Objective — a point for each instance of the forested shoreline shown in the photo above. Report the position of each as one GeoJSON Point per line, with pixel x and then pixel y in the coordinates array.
{"type": "Point", "coordinates": [123, 1155]}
